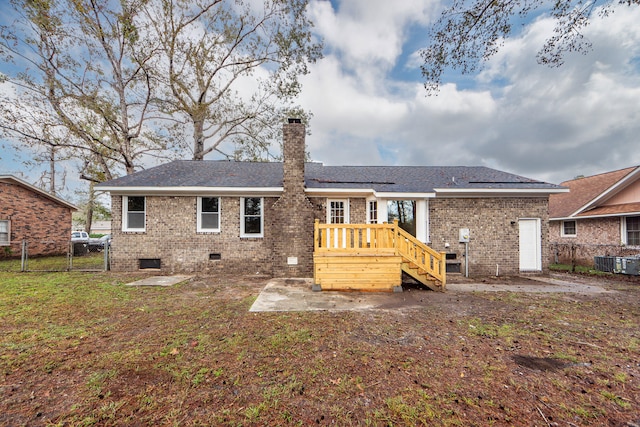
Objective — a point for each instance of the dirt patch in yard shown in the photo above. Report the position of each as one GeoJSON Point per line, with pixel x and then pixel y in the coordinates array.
{"type": "Point", "coordinates": [86, 350]}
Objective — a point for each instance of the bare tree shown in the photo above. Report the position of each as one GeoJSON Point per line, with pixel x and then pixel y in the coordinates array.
{"type": "Point", "coordinates": [81, 66]}
{"type": "Point", "coordinates": [230, 68]}
{"type": "Point", "coordinates": [46, 139]}
{"type": "Point", "coordinates": [471, 31]}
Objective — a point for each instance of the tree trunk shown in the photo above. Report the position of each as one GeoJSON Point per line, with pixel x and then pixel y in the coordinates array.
{"type": "Point", "coordinates": [52, 170]}
{"type": "Point", "coordinates": [198, 139]}
{"type": "Point", "coordinates": [90, 203]}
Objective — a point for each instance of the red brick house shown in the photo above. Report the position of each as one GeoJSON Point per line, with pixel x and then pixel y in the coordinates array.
{"type": "Point", "coordinates": [600, 216]}
{"type": "Point", "coordinates": [247, 218]}
{"type": "Point", "coordinates": [31, 214]}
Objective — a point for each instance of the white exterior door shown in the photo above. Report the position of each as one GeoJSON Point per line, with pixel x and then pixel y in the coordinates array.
{"type": "Point", "coordinates": [338, 213]}
{"type": "Point", "coordinates": [530, 245]}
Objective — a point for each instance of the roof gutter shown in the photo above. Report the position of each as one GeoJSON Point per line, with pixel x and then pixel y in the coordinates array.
{"type": "Point", "coordinates": [190, 191]}
{"type": "Point", "coordinates": [613, 215]}
{"type": "Point", "coordinates": [507, 192]}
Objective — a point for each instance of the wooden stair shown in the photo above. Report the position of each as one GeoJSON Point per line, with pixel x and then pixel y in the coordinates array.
{"type": "Point", "coordinates": [373, 257]}
{"type": "Point", "coordinates": [420, 261]}
{"type": "Point", "coordinates": [421, 276]}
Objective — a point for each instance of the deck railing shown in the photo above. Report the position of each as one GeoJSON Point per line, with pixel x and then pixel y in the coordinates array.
{"type": "Point", "coordinates": [378, 239]}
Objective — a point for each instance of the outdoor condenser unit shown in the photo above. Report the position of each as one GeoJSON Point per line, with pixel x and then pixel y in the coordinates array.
{"type": "Point", "coordinates": [628, 265]}
{"type": "Point", "coordinates": [605, 263]}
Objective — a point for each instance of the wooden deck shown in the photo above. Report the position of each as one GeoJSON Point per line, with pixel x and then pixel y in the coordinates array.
{"type": "Point", "coordinates": [372, 257]}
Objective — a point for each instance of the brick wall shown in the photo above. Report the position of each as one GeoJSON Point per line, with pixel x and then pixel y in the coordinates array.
{"type": "Point", "coordinates": [44, 223]}
{"type": "Point", "coordinates": [493, 225]}
{"type": "Point", "coordinates": [171, 235]}
{"type": "Point", "coordinates": [358, 210]}
{"type": "Point", "coordinates": [594, 237]}
{"type": "Point", "coordinates": [589, 231]}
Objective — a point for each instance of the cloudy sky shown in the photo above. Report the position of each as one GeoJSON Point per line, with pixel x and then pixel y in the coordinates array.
{"type": "Point", "coordinates": [370, 107]}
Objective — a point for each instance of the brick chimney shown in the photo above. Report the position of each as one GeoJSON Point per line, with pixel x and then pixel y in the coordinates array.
{"type": "Point", "coordinates": [293, 213]}
{"type": "Point", "coordinates": [293, 153]}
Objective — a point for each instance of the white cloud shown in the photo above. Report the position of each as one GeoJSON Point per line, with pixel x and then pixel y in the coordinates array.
{"type": "Point", "coordinates": [369, 32]}
{"type": "Point", "coordinates": [522, 117]}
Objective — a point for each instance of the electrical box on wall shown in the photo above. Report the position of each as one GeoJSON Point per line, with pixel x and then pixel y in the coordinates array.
{"type": "Point", "coordinates": [464, 235]}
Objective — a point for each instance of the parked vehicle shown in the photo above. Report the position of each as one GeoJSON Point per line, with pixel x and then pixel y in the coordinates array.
{"type": "Point", "coordinates": [95, 244]}
{"type": "Point", "coordinates": [80, 236]}
{"type": "Point", "coordinates": [103, 241]}
{"type": "Point", "coordinates": [80, 240]}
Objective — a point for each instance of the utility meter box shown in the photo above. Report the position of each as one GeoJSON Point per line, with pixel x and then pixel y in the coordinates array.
{"type": "Point", "coordinates": [464, 235]}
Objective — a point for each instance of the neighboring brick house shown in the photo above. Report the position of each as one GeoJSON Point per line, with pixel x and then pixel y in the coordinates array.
{"type": "Point", "coordinates": [600, 216]}
{"type": "Point", "coordinates": [252, 217]}
{"type": "Point", "coordinates": [30, 214]}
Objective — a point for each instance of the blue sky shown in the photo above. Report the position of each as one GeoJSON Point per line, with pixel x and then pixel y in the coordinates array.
{"type": "Point", "coordinates": [551, 124]}
{"type": "Point", "coordinates": [370, 108]}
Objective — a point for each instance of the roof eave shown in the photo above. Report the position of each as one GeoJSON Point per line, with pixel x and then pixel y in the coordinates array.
{"type": "Point", "coordinates": [340, 192]}
{"type": "Point", "coordinates": [609, 191]}
{"type": "Point", "coordinates": [504, 192]}
{"type": "Point", "coordinates": [344, 192]}
{"type": "Point", "coordinates": [38, 190]}
{"type": "Point", "coordinates": [190, 191]}
{"type": "Point", "coordinates": [618, 214]}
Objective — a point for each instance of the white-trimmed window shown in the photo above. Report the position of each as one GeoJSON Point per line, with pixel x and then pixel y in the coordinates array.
{"type": "Point", "coordinates": [251, 217]}
{"type": "Point", "coordinates": [338, 211]}
{"type": "Point", "coordinates": [632, 230]}
{"type": "Point", "coordinates": [569, 228]}
{"type": "Point", "coordinates": [5, 232]}
{"type": "Point", "coordinates": [133, 213]}
{"type": "Point", "coordinates": [208, 214]}
{"type": "Point", "coordinates": [372, 211]}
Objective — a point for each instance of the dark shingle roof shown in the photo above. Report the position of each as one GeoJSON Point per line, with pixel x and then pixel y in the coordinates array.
{"type": "Point", "coordinates": [206, 173]}
{"type": "Point", "coordinates": [417, 179]}
{"type": "Point", "coordinates": [398, 179]}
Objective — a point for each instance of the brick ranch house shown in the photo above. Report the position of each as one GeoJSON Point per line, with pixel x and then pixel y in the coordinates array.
{"type": "Point", "coordinates": [600, 216]}
{"type": "Point", "coordinates": [252, 217]}
{"type": "Point", "coordinates": [31, 214]}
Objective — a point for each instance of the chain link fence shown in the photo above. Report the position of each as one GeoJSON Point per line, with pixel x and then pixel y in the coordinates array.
{"type": "Point", "coordinates": [48, 256]}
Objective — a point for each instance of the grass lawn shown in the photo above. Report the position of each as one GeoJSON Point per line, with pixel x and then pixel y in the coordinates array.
{"type": "Point", "coordinates": [81, 349]}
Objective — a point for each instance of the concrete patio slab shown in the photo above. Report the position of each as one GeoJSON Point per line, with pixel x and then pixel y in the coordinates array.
{"type": "Point", "coordinates": [297, 294]}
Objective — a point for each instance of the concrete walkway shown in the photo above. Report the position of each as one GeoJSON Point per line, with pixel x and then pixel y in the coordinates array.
{"type": "Point", "coordinates": [532, 284]}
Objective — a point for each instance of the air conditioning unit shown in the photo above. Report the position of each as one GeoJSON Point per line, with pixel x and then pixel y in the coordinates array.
{"type": "Point", "coordinates": [605, 263]}
{"type": "Point", "coordinates": [627, 265]}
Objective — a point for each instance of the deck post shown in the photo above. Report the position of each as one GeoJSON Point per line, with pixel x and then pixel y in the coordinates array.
{"type": "Point", "coordinates": [443, 268]}
{"type": "Point", "coordinates": [396, 237]}
{"type": "Point", "coordinates": [316, 244]}
{"type": "Point", "coordinates": [316, 232]}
